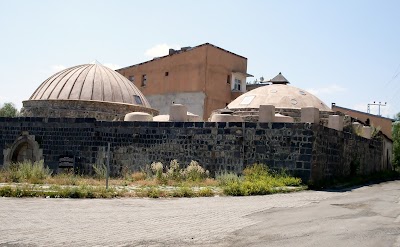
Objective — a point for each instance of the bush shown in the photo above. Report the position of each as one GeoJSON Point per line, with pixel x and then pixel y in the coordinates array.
{"type": "Point", "coordinates": [138, 176]}
{"type": "Point", "coordinates": [194, 172]}
{"type": "Point", "coordinates": [6, 191]}
{"type": "Point", "coordinates": [100, 171]}
{"type": "Point", "coordinates": [258, 180]}
{"type": "Point", "coordinates": [174, 172]}
{"type": "Point", "coordinates": [153, 192]}
{"type": "Point", "coordinates": [226, 178]}
{"type": "Point", "coordinates": [206, 192]}
{"type": "Point", "coordinates": [27, 171]}
{"type": "Point", "coordinates": [183, 192]}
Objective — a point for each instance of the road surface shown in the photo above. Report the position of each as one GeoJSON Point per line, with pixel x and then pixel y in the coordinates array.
{"type": "Point", "coordinates": [366, 216]}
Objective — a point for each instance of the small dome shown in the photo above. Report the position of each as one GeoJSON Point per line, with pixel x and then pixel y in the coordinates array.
{"type": "Point", "coordinates": [279, 95]}
{"type": "Point", "coordinates": [90, 82]}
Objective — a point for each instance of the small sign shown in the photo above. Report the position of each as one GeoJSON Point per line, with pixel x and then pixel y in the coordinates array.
{"type": "Point", "coordinates": [66, 162]}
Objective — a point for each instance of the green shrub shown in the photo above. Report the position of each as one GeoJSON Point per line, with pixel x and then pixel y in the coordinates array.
{"type": "Point", "coordinates": [226, 178]}
{"type": "Point", "coordinates": [258, 180]}
{"type": "Point", "coordinates": [183, 192]}
{"type": "Point", "coordinates": [206, 192]}
{"type": "Point", "coordinates": [6, 191]}
{"type": "Point", "coordinates": [100, 171]}
{"type": "Point", "coordinates": [153, 192]}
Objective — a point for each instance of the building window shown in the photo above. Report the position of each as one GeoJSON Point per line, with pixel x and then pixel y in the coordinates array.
{"type": "Point", "coordinates": [228, 79]}
{"type": "Point", "coordinates": [166, 73]}
{"type": "Point", "coordinates": [144, 80]}
{"type": "Point", "coordinates": [132, 78]}
{"type": "Point", "coordinates": [137, 99]}
{"type": "Point", "coordinates": [238, 84]}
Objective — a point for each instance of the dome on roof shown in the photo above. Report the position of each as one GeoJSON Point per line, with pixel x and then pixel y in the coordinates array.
{"type": "Point", "coordinates": [86, 91]}
{"type": "Point", "coordinates": [279, 95]}
{"type": "Point", "coordinates": [90, 82]}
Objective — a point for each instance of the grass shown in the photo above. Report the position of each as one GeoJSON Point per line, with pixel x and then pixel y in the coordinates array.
{"type": "Point", "coordinates": [258, 180]}
{"type": "Point", "coordinates": [61, 192]}
{"type": "Point", "coordinates": [35, 180]}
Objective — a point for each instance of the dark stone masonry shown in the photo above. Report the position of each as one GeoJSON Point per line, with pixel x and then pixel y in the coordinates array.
{"type": "Point", "coordinates": [312, 152]}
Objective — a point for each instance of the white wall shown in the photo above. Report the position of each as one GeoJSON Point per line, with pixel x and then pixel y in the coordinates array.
{"type": "Point", "coordinates": [193, 101]}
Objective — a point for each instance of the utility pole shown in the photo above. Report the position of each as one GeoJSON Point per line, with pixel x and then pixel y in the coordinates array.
{"type": "Point", "coordinates": [379, 104]}
{"type": "Point", "coordinates": [108, 165]}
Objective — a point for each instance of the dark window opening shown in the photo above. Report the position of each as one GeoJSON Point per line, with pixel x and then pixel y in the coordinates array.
{"type": "Point", "coordinates": [166, 73]}
{"type": "Point", "coordinates": [137, 99]}
{"type": "Point", "coordinates": [132, 78]}
{"type": "Point", "coordinates": [237, 85]}
{"type": "Point", "coordinates": [144, 80]}
{"type": "Point", "coordinates": [228, 79]}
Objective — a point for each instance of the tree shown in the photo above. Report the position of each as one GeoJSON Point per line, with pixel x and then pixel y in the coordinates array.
{"type": "Point", "coordinates": [396, 141]}
{"type": "Point", "coordinates": [8, 110]}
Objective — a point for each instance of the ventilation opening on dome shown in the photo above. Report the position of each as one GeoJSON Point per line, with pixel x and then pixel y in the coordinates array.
{"type": "Point", "coordinates": [247, 100]}
{"type": "Point", "coordinates": [137, 99]}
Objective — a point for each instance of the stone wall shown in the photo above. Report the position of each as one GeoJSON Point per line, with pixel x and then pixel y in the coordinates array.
{"type": "Point", "coordinates": [99, 110]}
{"type": "Point", "coordinates": [307, 150]}
{"type": "Point", "coordinates": [338, 154]}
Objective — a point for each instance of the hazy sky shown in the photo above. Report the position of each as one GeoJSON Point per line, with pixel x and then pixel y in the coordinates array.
{"type": "Point", "coordinates": [347, 52]}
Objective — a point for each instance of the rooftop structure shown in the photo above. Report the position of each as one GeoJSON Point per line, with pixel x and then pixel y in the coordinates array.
{"type": "Point", "coordinates": [278, 94]}
{"type": "Point", "coordinates": [204, 78]}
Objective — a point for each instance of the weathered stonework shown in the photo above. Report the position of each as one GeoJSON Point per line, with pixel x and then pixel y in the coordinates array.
{"type": "Point", "coordinates": [81, 109]}
{"type": "Point", "coordinates": [310, 151]}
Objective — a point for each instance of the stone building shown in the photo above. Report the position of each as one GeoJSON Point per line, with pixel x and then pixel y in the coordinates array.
{"type": "Point", "coordinates": [204, 78]}
{"type": "Point", "coordinates": [73, 116]}
{"type": "Point", "coordinates": [88, 90]}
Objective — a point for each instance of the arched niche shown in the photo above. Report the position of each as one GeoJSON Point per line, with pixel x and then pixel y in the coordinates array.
{"type": "Point", "coordinates": [23, 148]}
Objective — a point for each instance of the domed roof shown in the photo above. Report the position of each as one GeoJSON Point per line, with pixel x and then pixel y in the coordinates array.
{"type": "Point", "coordinates": [279, 95]}
{"type": "Point", "coordinates": [90, 82]}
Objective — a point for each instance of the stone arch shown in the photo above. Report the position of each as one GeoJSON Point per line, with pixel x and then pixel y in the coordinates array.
{"type": "Point", "coordinates": [24, 148]}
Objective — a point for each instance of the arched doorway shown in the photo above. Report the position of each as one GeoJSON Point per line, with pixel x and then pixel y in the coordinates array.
{"type": "Point", "coordinates": [24, 148]}
{"type": "Point", "coordinates": [24, 151]}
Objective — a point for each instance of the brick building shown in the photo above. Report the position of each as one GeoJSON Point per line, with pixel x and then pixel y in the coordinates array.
{"type": "Point", "coordinates": [204, 78]}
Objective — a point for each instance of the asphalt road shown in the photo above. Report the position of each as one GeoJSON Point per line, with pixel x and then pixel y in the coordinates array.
{"type": "Point", "coordinates": [366, 216]}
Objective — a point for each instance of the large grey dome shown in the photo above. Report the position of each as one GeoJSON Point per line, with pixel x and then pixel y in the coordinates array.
{"type": "Point", "coordinates": [86, 91]}
{"type": "Point", "coordinates": [90, 82]}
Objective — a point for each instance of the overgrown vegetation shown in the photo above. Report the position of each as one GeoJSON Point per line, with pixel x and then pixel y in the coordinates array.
{"type": "Point", "coordinates": [155, 181]}
{"type": "Point", "coordinates": [27, 172]}
{"type": "Point", "coordinates": [258, 180]}
{"type": "Point", "coordinates": [396, 143]}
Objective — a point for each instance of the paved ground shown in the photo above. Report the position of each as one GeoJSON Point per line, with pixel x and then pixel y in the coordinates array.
{"type": "Point", "coordinates": [368, 216]}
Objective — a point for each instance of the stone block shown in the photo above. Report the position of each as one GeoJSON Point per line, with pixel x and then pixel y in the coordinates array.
{"type": "Point", "coordinates": [178, 113]}
{"type": "Point", "coordinates": [226, 118]}
{"type": "Point", "coordinates": [366, 132]}
{"type": "Point", "coordinates": [278, 118]}
{"type": "Point", "coordinates": [357, 127]}
{"type": "Point", "coordinates": [266, 114]}
{"type": "Point", "coordinates": [138, 116]}
{"type": "Point", "coordinates": [335, 122]}
{"type": "Point", "coordinates": [310, 115]}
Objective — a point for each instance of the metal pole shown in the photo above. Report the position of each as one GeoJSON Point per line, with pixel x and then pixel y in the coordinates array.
{"type": "Point", "coordinates": [108, 165]}
{"type": "Point", "coordinates": [379, 109]}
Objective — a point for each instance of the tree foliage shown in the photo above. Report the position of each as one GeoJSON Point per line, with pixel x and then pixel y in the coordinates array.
{"type": "Point", "coordinates": [8, 110]}
{"type": "Point", "coordinates": [396, 141]}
